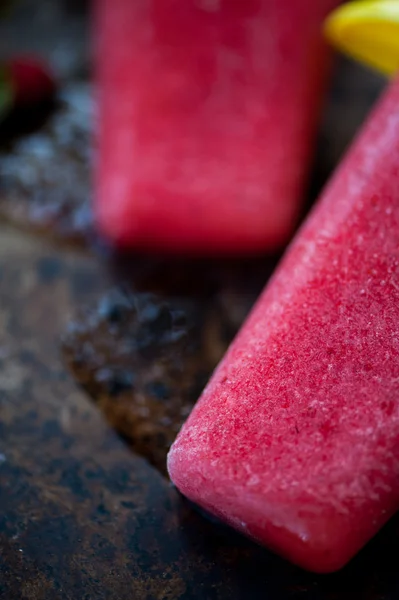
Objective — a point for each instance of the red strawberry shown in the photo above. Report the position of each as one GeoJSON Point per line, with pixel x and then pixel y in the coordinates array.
{"type": "Point", "coordinates": [30, 79]}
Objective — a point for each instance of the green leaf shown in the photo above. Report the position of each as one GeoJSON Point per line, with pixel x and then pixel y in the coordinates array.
{"type": "Point", "coordinates": [6, 92]}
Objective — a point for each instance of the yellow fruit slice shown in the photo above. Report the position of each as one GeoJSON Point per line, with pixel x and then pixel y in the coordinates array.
{"type": "Point", "coordinates": [367, 30]}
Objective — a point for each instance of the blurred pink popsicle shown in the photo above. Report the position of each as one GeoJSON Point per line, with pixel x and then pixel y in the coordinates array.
{"type": "Point", "coordinates": [295, 440]}
{"type": "Point", "coordinates": [208, 111]}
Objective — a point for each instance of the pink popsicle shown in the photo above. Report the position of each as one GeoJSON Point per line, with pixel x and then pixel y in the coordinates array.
{"type": "Point", "coordinates": [295, 440]}
{"type": "Point", "coordinates": [208, 111]}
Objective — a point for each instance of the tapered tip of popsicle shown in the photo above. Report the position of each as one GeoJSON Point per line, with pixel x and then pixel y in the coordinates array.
{"type": "Point", "coordinates": [315, 542]}
{"type": "Point", "coordinates": [367, 31]}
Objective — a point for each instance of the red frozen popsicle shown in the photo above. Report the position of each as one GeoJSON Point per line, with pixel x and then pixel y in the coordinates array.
{"type": "Point", "coordinates": [295, 440]}
{"type": "Point", "coordinates": [208, 111]}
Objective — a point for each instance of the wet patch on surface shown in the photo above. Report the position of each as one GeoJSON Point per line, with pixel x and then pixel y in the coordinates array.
{"type": "Point", "coordinates": [144, 358]}
{"type": "Point", "coordinates": [44, 168]}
